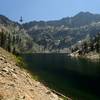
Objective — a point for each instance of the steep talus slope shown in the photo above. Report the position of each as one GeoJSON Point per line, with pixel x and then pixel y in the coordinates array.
{"type": "Point", "coordinates": [17, 84]}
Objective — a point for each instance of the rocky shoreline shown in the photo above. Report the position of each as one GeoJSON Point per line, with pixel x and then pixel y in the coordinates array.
{"type": "Point", "coordinates": [93, 56]}
{"type": "Point", "coordinates": [17, 83]}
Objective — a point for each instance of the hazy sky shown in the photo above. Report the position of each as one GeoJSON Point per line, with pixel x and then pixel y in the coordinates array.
{"type": "Point", "coordinates": [46, 9]}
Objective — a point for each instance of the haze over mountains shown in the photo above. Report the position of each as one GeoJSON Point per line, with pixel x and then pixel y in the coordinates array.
{"type": "Point", "coordinates": [55, 35]}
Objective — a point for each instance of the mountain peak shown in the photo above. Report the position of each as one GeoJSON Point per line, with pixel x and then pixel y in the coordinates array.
{"type": "Point", "coordinates": [84, 14]}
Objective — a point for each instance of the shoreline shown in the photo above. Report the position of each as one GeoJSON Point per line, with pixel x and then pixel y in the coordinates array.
{"type": "Point", "coordinates": [93, 56]}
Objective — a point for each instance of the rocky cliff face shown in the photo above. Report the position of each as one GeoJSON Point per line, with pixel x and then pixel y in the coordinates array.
{"type": "Point", "coordinates": [17, 84]}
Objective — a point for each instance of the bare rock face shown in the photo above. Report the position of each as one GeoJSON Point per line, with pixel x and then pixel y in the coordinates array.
{"type": "Point", "coordinates": [17, 84]}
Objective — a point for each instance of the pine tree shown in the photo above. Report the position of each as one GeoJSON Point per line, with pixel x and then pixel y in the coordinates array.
{"type": "Point", "coordinates": [9, 43]}
{"type": "Point", "coordinates": [14, 51]}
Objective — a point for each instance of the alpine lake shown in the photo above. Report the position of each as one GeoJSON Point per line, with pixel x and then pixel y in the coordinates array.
{"type": "Point", "coordinates": [77, 78]}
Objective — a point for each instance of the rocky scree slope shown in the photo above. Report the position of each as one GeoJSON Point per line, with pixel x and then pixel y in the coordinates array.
{"type": "Point", "coordinates": [17, 84]}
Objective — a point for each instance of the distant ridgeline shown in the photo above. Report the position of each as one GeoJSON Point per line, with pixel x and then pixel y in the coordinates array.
{"type": "Point", "coordinates": [90, 45]}
{"type": "Point", "coordinates": [48, 36]}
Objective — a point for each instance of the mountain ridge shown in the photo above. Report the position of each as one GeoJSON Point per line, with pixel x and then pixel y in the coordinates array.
{"type": "Point", "coordinates": [52, 36]}
{"type": "Point", "coordinates": [68, 19]}
{"type": "Point", "coordinates": [65, 32]}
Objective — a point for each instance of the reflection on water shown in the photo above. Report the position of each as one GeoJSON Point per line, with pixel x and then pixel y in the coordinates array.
{"type": "Point", "coordinates": [76, 78]}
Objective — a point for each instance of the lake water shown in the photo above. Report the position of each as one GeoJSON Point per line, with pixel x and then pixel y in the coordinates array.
{"type": "Point", "coordinates": [76, 78]}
